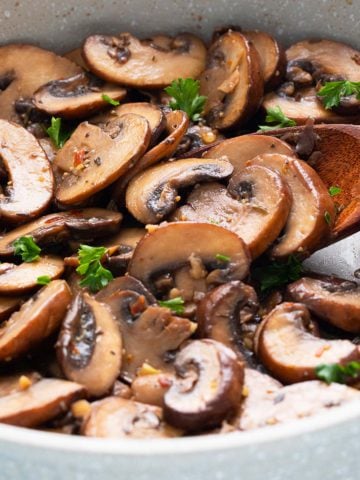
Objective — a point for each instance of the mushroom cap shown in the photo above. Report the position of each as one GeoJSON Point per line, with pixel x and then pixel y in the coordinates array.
{"type": "Point", "coordinates": [151, 389]}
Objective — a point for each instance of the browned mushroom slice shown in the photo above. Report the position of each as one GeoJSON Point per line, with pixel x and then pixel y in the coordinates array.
{"type": "Point", "coordinates": [116, 417]}
{"type": "Point", "coordinates": [232, 81]}
{"type": "Point", "coordinates": [222, 312]}
{"type": "Point", "coordinates": [105, 154]}
{"type": "Point", "coordinates": [291, 351]}
{"type": "Point", "coordinates": [76, 96]}
{"type": "Point", "coordinates": [41, 402]}
{"type": "Point", "coordinates": [153, 114]}
{"type": "Point", "coordinates": [18, 382]}
{"type": "Point", "coordinates": [272, 58]}
{"type": "Point", "coordinates": [256, 206]}
{"type": "Point", "coordinates": [150, 63]}
{"type": "Point", "coordinates": [31, 184]}
{"type": "Point", "coordinates": [239, 150]}
{"type": "Point", "coordinates": [160, 184]}
{"type": "Point", "coordinates": [207, 387]}
{"type": "Point", "coordinates": [150, 333]}
{"type": "Point", "coordinates": [8, 305]}
{"type": "Point", "coordinates": [125, 283]}
{"type": "Point", "coordinates": [151, 388]}
{"type": "Point", "coordinates": [36, 320]}
{"type": "Point", "coordinates": [312, 206]}
{"type": "Point", "coordinates": [90, 346]}
{"type": "Point", "coordinates": [335, 300]}
{"type": "Point", "coordinates": [170, 246]}
{"type": "Point", "coordinates": [122, 245]}
{"type": "Point", "coordinates": [19, 81]}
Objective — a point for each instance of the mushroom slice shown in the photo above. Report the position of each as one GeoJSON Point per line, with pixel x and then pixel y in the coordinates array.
{"type": "Point", "coordinates": [311, 205]}
{"type": "Point", "coordinates": [160, 185]}
{"type": "Point", "coordinates": [239, 150]}
{"type": "Point", "coordinates": [31, 188]}
{"type": "Point", "coordinates": [170, 246]}
{"type": "Point", "coordinates": [335, 300]}
{"type": "Point", "coordinates": [125, 283]}
{"type": "Point", "coordinates": [294, 402]}
{"type": "Point", "coordinates": [19, 279]}
{"type": "Point", "coordinates": [207, 387]}
{"type": "Point", "coordinates": [150, 333]}
{"type": "Point", "coordinates": [116, 417]}
{"type": "Point", "coordinates": [272, 58]}
{"type": "Point", "coordinates": [222, 312]}
{"type": "Point", "coordinates": [19, 80]}
{"type": "Point", "coordinates": [291, 351]}
{"type": "Point", "coordinates": [36, 320]}
{"type": "Point", "coordinates": [41, 402]}
{"type": "Point", "coordinates": [151, 389]}
{"type": "Point", "coordinates": [123, 245]}
{"type": "Point", "coordinates": [18, 382]}
{"type": "Point", "coordinates": [75, 56]}
{"type": "Point", "coordinates": [8, 305]}
{"type": "Point", "coordinates": [232, 81]}
{"type": "Point", "coordinates": [82, 224]}
{"type": "Point", "coordinates": [256, 206]}
{"type": "Point", "coordinates": [150, 63]}
{"type": "Point", "coordinates": [89, 347]}
{"type": "Point", "coordinates": [76, 96]}
{"type": "Point", "coordinates": [105, 154]}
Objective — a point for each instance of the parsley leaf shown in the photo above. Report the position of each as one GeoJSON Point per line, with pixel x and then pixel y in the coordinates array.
{"type": "Point", "coordinates": [332, 92]}
{"type": "Point", "coordinates": [95, 276]}
{"type": "Point", "coordinates": [176, 304]}
{"type": "Point", "coordinates": [57, 133]}
{"type": "Point", "coordinates": [327, 217]}
{"type": "Point", "coordinates": [333, 372]}
{"type": "Point", "coordinates": [110, 100]}
{"type": "Point", "coordinates": [43, 280]}
{"type": "Point", "coordinates": [185, 96]}
{"type": "Point", "coordinates": [334, 191]}
{"type": "Point", "coordinates": [277, 119]}
{"type": "Point", "coordinates": [27, 249]}
{"type": "Point", "coordinates": [277, 274]}
{"type": "Point", "coordinates": [222, 258]}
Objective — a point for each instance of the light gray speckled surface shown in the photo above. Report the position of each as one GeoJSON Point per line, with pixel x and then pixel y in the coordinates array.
{"type": "Point", "coordinates": [314, 449]}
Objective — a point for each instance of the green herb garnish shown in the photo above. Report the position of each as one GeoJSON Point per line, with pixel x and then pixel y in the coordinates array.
{"type": "Point", "coordinates": [222, 258]}
{"type": "Point", "coordinates": [185, 96]}
{"type": "Point", "coordinates": [335, 191]}
{"type": "Point", "coordinates": [43, 280]}
{"type": "Point", "coordinates": [327, 217]}
{"type": "Point", "coordinates": [27, 249]}
{"type": "Point", "coordinates": [333, 372]}
{"type": "Point", "coordinates": [277, 274]}
{"type": "Point", "coordinates": [333, 92]}
{"type": "Point", "coordinates": [95, 276]}
{"type": "Point", "coordinates": [176, 304]}
{"type": "Point", "coordinates": [110, 100]}
{"type": "Point", "coordinates": [58, 134]}
{"type": "Point", "coordinates": [277, 119]}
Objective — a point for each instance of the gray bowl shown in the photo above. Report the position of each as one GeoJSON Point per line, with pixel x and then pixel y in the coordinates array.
{"type": "Point", "coordinates": [325, 446]}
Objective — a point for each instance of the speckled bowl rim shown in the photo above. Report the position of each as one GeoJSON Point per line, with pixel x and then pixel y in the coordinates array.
{"type": "Point", "coordinates": [189, 445]}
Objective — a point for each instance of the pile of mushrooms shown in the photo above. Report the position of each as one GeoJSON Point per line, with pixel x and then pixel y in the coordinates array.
{"type": "Point", "coordinates": [179, 337]}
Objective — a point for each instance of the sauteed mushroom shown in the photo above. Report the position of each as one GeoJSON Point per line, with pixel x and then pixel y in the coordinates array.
{"type": "Point", "coordinates": [8, 305]}
{"type": "Point", "coordinates": [289, 347]}
{"type": "Point", "coordinates": [152, 388]}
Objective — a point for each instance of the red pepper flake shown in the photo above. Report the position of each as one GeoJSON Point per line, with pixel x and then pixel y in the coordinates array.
{"type": "Point", "coordinates": [79, 157]}
{"type": "Point", "coordinates": [138, 306]}
{"type": "Point", "coordinates": [164, 382]}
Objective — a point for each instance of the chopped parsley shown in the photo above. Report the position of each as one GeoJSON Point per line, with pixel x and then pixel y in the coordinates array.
{"type": "Point", "coordinates": [277, 274]}
{"type": "Point", "coordinates": [43, 280]}
{"type": "Point", "coordinates": [335, 191]}
{"type": "Point", "coordinates": [185, 97]}
{"type": "Point", "coordinates": [332, 92]}
{"type": "Point", "coordinates": [26, 248]}
{"type": "Point", "coordinates": [276, 118]}
{"type": "Point", "coordinates": [176, 304]}
{"type": "Point", "coordinates": [95, 276]}
{"type": "Point", "coordinates": [222, 258]}
{"type": "Point", "coordinates": [333, 372]}
{"type": "Point", "coordinates": [58, 134]}
{"type": "Point", "coordinates": [110, 100]}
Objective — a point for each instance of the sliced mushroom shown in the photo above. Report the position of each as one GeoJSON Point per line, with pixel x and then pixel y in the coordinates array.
{"type": "Point", "coordinates": [150, 333]}
{"type": "Point", "coordinates": [30, 189]}
{"type": "Point", "coordinates": [76, 96]}
{"type": "Point", "coordinates": [36, 320]}
{"type": "Point", "coordinates": [75, 56]}
{"type": "Point", "coordinates": [18, 382]}
{"type": "Point", "coordinates": [8, 305]}
{"type": "Point", "coordinates": [105, 154]}
{"type": "Point", "coordinates": [170, 246]}
{"type": "Point", "coordinates": [335, 300]}
{"type": "Point", "coordinates": [151, 389]}
{"type": "Point", "coordinates": [89, 347]}
{"type": "Point", "coordinates": [289, 348]}
{"type": "Point", "coordinates": [23, 69]}
{"type": "Point", "coordinates": [232, 81]}
{"type": "Point", "coordinates": [239, 150]}
{"type": "Point", "coordinates": [82, 224]}
{"type": "Point", "coordinates": [123, 245]}
{"type": "Point", "coordinates": [222, 312]}
{"type": "Point", "coordinates": [41, 402]}
{"type": "Point", "coordinates": [272, 58]}
{"type": "Point", "coordinates": [116, 417]}
{"type": "Point", "coordinates": [160, 185]}
{"type": "Point", "coordinates": [150, 63]}
{"type": "Point", "coordinates": [207, 387]}
{"type": "Point", "coordinates": [19, 279]}
{"type": "Point", "coordinates": [311, 204]}
{"type": "Point", "coordinates": [127, 283]}
{"type": "Point", "coordinates": [256, 206]}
